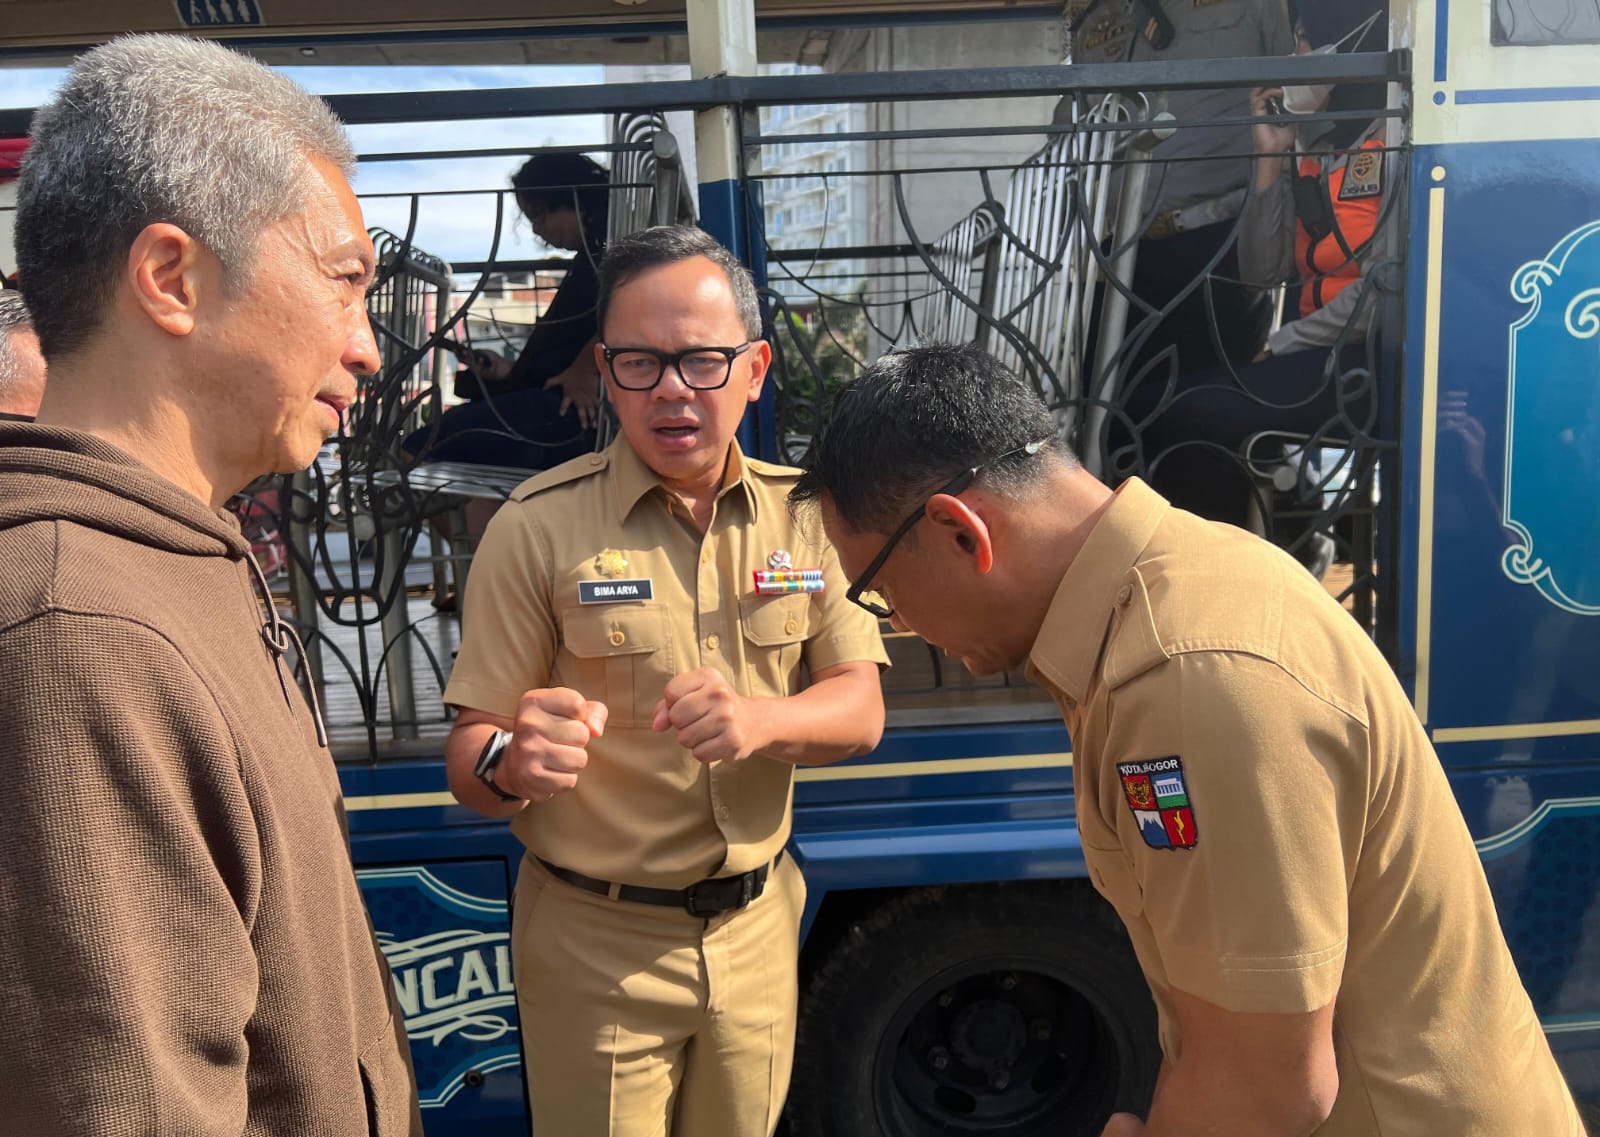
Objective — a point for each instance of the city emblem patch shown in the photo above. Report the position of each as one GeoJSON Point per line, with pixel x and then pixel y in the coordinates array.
{"type": "Point", "coordinates": [1159, 797]}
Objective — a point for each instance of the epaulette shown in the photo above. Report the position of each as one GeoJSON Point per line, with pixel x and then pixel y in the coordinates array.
{"type": "Point", "coordinates": [582, 466]}
{"type": "Point", "coordinates": [1134, 645]}
{"type": "Point", "coordinates": [772, 469]}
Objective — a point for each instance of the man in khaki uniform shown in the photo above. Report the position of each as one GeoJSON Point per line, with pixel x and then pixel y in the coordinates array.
{"type": "Point", "coordinates": [642, 623]}
{"type": "Point", "coordinates": [1254, 793]}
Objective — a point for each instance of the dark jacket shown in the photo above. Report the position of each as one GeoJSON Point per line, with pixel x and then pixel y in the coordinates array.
{"type": "Point", "coordinates": [183, 948]}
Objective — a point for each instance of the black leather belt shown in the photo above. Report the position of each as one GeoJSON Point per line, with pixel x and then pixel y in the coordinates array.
{"type": "Point", "coordinates": [710, 897]}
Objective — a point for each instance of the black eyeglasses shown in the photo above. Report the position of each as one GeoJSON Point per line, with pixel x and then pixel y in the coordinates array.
{"type": "Point", "coordinates": [702, 368]}
{"type": "Point", "coordinates": [862, 596]}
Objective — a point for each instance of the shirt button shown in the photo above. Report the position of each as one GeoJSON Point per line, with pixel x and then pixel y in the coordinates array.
{"type": "Point", "coordinates": [705, 557]}
{"type": "Point", "coordinates": [1124, 594]}
{"type": "Point", "coordinates": [722, 813]}
{"type": "Point", "coordinates": [595, 459]}
{"type": "Point", "coordinates": [617, 638]}
{"type": "Point", "coordinates": [791, 627]}
{"type": "Point", "coordinates": [712, 641]}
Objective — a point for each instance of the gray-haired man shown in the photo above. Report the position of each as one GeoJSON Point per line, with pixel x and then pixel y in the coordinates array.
{"type": "Point", "coordinates": [184, 948]}
{"type": "Point", "coordinates": [21, 364]}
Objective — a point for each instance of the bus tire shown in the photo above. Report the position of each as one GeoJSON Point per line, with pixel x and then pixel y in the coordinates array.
{"type": "Point", "coordinates": [1014, 1009]}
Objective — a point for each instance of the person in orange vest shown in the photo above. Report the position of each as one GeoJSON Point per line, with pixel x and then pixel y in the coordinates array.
{"type": "Point", "coordinates": [1320, 199]}
{"type": "Point", "coordinates": [1315, 220]}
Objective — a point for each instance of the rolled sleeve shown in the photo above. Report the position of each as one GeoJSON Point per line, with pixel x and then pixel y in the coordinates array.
{"type": "Point", "coordinates": [1266, 239]}
{"type": "Point", "coordinates": [508, 629]}
{"type": "Point", "coordinates": [1254, 916]}
{"type": "Point", "coordinates": [846, 632]}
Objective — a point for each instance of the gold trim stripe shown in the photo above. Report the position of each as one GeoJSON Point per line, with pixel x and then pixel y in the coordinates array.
{"type": "Point", "coordinates": [399, 801]}
{"type": "Point", "coordinates": [1516, 730]}
{"type": "Point", "coordinates": [844, 772]}
{"type": "Point", "coordinates": [1425, 460]}
{"type": "Point", "coordinates": [839, 773]}
{"type": "Point", "coordinates": [1570, 1027]}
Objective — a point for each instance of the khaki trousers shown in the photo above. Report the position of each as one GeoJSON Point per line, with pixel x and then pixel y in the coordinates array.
{"type": "Point", "coordinates": [645, 1021]}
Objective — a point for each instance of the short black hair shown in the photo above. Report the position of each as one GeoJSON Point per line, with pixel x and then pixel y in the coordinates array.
{"type": "Point", "coordinates": [563, 180]}
{"type": "Point", "coordinates": [628, 257]}
{"type": "Point", "coordinates": [915, 419]}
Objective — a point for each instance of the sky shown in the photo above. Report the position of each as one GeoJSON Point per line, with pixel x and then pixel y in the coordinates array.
{"type": "Point", "coordinates": [457, 227]}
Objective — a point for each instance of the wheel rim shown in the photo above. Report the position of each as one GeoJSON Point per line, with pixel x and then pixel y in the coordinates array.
{"type": "Point", "coordinates": [999, 1045]}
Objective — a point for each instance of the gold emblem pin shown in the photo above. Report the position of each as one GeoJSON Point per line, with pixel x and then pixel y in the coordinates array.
{"type": "Point", "coordinates": [610, 563]}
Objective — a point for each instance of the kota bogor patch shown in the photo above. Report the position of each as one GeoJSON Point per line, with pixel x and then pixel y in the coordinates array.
{"type": "Point", "coordinates": [1159, 797]}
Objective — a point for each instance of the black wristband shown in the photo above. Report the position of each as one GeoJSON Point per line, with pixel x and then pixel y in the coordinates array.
{"type": "Point", "coordinates": [489, 758]}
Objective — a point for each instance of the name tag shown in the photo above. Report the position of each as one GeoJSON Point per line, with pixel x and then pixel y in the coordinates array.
{"type": "Point", "coordinates": [612, 591]}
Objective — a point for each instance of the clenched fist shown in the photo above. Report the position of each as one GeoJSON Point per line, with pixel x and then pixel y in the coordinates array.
{"type": "Point", "coordinates": [714, 722]}
{"type": "Point", "coordinates": [548, 744]}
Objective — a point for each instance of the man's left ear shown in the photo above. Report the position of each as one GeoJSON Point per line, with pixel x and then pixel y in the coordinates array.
{"type": "Point", "coordinates": [760, 356]}
{"type": "Point", "coordinates": [952, 519]}
{"type": "Point", "coordinates": [166, 276]}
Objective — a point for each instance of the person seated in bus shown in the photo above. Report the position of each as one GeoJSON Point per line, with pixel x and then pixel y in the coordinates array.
{"type": "Point", "coordinates": [539, 410]}
{"type": "Point", "coordinates": [1199, 187]}
{"type": "Point", "coordinates": [1314, 221]}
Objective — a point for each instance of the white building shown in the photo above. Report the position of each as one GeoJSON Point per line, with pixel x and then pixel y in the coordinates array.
{"type": "Point", "coordinates": [814, 204]}
{"type": "Point", "coordinates": [814, 196]}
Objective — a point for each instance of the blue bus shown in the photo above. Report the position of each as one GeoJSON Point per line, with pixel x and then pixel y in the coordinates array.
{"type": "Point", "coordinates": [960, 975]}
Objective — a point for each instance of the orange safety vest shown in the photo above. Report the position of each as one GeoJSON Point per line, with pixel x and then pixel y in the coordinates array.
{"type": "Point", "coordinates": [1355, 187]}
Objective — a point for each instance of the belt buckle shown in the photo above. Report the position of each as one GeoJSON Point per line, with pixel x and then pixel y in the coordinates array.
{"type": "Point", "coordinates": [1163, 226]}
{"type": "Point", "coordinates": [709, 898]}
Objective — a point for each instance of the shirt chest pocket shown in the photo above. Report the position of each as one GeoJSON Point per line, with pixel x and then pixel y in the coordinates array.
{"type": "Point", "coordinates": [620, 655]}
{"type": "Point", "coordinates": [775, 629]}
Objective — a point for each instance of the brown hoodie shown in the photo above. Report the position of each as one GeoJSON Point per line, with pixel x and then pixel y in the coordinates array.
{"type": "Point", "coordinates": [183, 949]}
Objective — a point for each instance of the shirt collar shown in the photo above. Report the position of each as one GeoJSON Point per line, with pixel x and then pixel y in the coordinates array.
{"type": "Point", "coordinates": [1070, 640]}
{"type": "Point", "coordinates": [631, 479]}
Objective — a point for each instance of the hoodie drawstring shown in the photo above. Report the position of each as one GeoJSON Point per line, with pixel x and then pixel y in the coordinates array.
{"type": "Point", "coordinates": [279, 638]}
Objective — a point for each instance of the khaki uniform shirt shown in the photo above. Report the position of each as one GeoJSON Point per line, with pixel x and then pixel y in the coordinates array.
{"type": "Point", "coordinates": [645, 811]}
{"type": "Point", "coordinates": [1111, 31]}
{"type": "Point", "coordinates": [1259, 802]}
